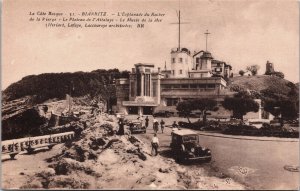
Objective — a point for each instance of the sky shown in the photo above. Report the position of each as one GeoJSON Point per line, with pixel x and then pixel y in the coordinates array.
{"type": "Point", "coordinates": [243, 33]}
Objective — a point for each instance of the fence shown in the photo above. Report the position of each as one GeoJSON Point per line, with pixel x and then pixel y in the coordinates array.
{"type": "Point", "coordinates": [13, 147]}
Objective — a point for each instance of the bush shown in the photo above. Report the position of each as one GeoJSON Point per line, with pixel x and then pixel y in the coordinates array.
{"type": "Point", "coordinates": [241, 72]}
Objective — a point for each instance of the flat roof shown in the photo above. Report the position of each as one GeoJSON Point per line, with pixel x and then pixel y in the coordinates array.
{"type": "Point", "coordinates": [184, 132]}
{"type": "Point", "coordinates": [145, 64]}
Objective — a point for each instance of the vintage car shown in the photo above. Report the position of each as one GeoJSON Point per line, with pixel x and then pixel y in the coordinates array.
{"type": "Point", "coordinates": [163, 114]}
{"type": "Point", "coordinates": [185, 146]}
{"type": "Point", "coordinates": [135, 126]}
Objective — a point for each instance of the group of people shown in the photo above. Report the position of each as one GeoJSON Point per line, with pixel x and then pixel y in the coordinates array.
{"type": "Point", "coordinates": [155, 123]}
{"type": "Point", "coordinates": [155, 141]}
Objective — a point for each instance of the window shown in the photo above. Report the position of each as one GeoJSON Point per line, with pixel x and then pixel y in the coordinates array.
{"type": "Point", "coordinates": [169, 102]}
{"type": "Point", "coordinates": [166, 86]}
{"type": "Point", "coordinates": [218, 69]}
{"type": "Point", "coordinates": [176, 86]}
{"type": "Point", "coordinates": [132, 89]}
{"type": "Point", "coordinates": [202, 86]}
{"type": "Point", "coordinates": [198, 60]}
{"type": "Point", "coordinates": [180, 71]}
{"type": "Point", "coordinates": [184, 86]}
{"type": "Point", "coordinates": [194, 86]}
{"type": "Point", "coordinates": [180, 60]}
{"type": "Point", "coordinates": [173, 60]}
{"type": "Point", "coordinates": [173, 71]}
{"type": "Point", "coordinates": [154, 86]}
{"type": "Point", "coordinates": [211, 86]}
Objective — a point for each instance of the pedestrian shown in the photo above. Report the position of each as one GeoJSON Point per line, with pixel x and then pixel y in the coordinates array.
{"type": "Point", "coordinates": [174, 126]}
{"type": "Point", "coordinates": [162, 125]}
{"type": "Point", "coordinates": [155, 125]}
{"type": "Point", "coordinates": [121, 127]}
{"type": "Point", "coordinates": [146, 122]}
{"type": "Point", "coordinates": [142, 120]}
{"type": "Point", "coordinates": [155, 144]}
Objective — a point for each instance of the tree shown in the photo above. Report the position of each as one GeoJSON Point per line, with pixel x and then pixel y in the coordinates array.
{"type": "Point", "coordinates": [278, 74]}
{"type": "Point", "coordinates": [185, 107]}
{"type": "Point", "coordinates": [241, 72]}
{"type": "Point", "coordinates": [240, 106]}
{"type": "Point", "coordinates": [253, 69]}
{"type": "Point", "coordinates": [204, 105]}
{"type": "Point", "coordinates": [287, 108]}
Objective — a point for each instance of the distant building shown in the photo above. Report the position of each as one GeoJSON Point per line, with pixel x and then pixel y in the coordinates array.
{"type": "Point", "coordinates": [190, 77]}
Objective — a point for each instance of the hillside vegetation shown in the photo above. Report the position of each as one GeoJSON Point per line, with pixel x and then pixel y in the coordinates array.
{"type": "Point", "coordinates": [57, 85]}
{"type": "Point", "coordinates": [267, 86]}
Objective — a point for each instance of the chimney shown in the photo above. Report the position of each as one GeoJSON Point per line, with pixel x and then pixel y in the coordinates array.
{"type": "Point", "coordinates": [158, 69]}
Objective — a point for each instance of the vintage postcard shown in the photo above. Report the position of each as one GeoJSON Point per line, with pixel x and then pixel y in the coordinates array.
{"type": "Point", "coordinates": [150, 94]}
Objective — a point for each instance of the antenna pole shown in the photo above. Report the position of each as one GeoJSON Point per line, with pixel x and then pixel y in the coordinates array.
{"type": "Point", "coordinates": [207, 33]}
{"type": "Point", "coordinates": [179, 32]}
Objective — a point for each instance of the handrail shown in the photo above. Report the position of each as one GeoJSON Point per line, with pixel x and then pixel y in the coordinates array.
{"type": "Point", "coordinates": [22, 143]}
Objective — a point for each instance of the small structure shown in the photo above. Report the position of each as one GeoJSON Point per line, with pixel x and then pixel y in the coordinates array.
{"type": "Point", "coordinates": [269, 68]}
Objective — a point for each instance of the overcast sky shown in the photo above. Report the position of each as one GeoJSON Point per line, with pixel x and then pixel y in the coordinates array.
{"type": "Point", "coordinates": [242, 33]}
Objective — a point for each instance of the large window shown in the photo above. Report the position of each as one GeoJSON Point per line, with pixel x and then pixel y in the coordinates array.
{"type": "Point", "coordinates": [197, 60]}
{"type": "Point", "coordinates": [180, 71]}
{"type": "Point", "coordinates": [132, 89]}
{"type": "Point", "coordinates": [154, 89]}
{"type": "Point", "coordinates": [173, 60]}
{"type": "Point", "coordinates": [138, 87]}
{"type": "Point", "coordinates": [180, 60]}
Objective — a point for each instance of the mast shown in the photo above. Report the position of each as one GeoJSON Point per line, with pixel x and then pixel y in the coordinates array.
{"type": "Point", "coordinates": [207, 33]}
{"type": "Point", "coordinates": [179, 31]}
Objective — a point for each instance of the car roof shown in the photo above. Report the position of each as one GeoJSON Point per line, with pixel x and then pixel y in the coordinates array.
{"type": "Point", "coordinates": [182, 132]}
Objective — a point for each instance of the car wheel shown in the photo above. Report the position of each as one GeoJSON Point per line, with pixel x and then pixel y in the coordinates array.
{"type": "Point", "coordinates": [208, 160]}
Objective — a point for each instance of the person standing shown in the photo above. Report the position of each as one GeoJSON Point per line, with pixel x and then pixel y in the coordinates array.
{"type": "Point", "coordinates": [121, 127]}
{"type": "Point", "coordinates": [155, 125]}
{"type": "Point", "coordinates": [174, 126]}
{"type": "Point", "coordinates": [155, 144]}
{"type": "Point", "coordinates": [162, 125]}
{"type": "Point", "coordinates": [146, 122]}
{"type": "Point", "coordinates": [142, 120]}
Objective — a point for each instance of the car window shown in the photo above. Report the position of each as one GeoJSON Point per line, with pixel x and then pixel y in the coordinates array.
{"type": "Point", "coordinates": [190, 138]}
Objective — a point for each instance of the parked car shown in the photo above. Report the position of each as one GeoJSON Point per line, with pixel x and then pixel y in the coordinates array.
{"type": "Point", "coordinates": [162, 114]}
{"type": "Point", "coordinates": [185, 147]}
{"type": "Point", "coordinates": [136, 127]}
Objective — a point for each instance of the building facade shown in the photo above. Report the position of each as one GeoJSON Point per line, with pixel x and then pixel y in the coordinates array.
{"type": "Point", "coordinates": [191, 76]}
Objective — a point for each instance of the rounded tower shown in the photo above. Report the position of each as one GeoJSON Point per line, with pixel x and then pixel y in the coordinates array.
{"type": "Point", "coordinates": [181, 62]}
{"type": "Point", "coordinates": [206, 58]}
